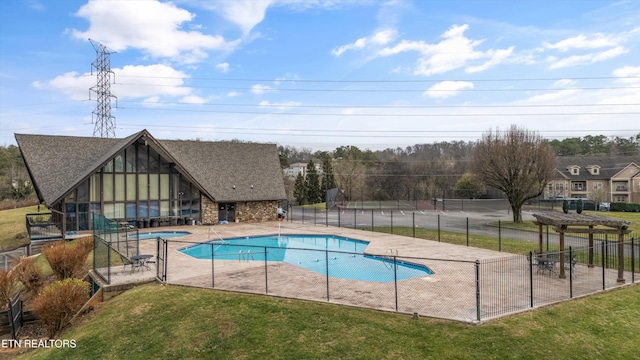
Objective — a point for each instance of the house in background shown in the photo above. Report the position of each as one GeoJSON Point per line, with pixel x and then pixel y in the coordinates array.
{"type": "Point", "coordinates": [601, 179]}
{"type": "Point", "coordinates": [300, 168]}
{"type": "Point", "coordinates": [294, 169]}
{"type": "Point", "coordinates": [149, 182]}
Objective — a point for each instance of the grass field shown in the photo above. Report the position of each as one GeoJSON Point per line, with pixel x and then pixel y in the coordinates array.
{"type": "Point", "coordinates": [172, 322]}
{"type": "Point", "coordinates": [13, 232]}
{"type": "Point", "coordinates": [156, 321]}
{"type": "Point", "coordinates": [632, 217]}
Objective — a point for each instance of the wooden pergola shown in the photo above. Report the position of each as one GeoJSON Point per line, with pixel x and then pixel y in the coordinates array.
{"type": "Point", "coordinates": [574, 223]}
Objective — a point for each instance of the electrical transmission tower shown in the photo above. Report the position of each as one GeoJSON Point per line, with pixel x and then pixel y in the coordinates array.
{"type": "Point", "coordinates": [104, 125]}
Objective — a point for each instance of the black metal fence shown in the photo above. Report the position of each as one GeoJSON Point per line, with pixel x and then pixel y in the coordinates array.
{"type": "Point", "coordinates": [514, 283]}
{"type": "Point", "coordinates": [15, 315]}
{"type": "Point", "coordinates": [43, 226]}
{"type": "Point", "coordinates": [484, 229]}
{"type": "Point", "coordinates": [114, 244]}
{"type": "Point", "coordinates": [469, 291]}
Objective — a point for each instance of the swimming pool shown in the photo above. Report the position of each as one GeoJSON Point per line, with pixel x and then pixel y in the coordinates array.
{"type": "Point", "coordinates": [339, 256]}
{"type": "Point", "coordinates": [160, 234]}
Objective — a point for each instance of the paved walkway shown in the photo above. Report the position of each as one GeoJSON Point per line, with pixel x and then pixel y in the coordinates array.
{"type": "Point", "coordinates": [449, 293]}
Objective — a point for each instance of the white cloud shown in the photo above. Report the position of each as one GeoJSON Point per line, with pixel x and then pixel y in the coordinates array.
{"type": "Point", "coordinates": [134, 82]}
{"type": "Point", "coordinates": [233, 94]}
{"type": "Point", "coordinates": [72, 84]}
{"type": "Point", "coordinates": [563, 83]}
{"type": "Point", "coordinates": [152, 101]}
{"type": "Point", "coordinates": [379, 38]}
{"type": "Point", "coordinates": [151, 26]}
{"type": "Point", "coordinates": [631, 73]}
{"type": "Point", "coordinates": [223, 67]}
{"type": "Point", "coordinates": [287, 77]}
{"type": "Point", "coordinates": [446, 89]}
{"type": "Point", "coordinates": [260, 89]}
{"type": "Point", "coordinates": [280, 105]}
{"type": "Point", "coordinates": [245, 13]}
{"type": "Point", "coordinates": [496, 57]}
{"type": "Point", "coordinates": [576, 60]}
{"type": "Point", "coordinates": [35, 5]}
{"type": "Point", "coordinates": [559, 96]}
{"type": "Point", "coordinates": [594, 41]}
{"type": "Point", "coordinates": [454, 51]}
{"type": "Point", "coordinates": [193, 99]}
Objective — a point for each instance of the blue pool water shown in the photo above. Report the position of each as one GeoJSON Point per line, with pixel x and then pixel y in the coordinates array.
{"type": "Point", "coordinates": [345, 256]}
{"type": "Point", "coordinates": [161, 234]}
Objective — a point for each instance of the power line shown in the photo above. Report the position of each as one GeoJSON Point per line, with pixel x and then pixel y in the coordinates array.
{"type": "Point", "coordinates": [378, 90]}
{"type": "Point", "coordinates": [385, 115]}
{"type": "Point", "coordinates": [377, 81]}
{"type": "Point", "coordinates": [276, 105]}
{"type": "Point", "coordinates": [365, 131]}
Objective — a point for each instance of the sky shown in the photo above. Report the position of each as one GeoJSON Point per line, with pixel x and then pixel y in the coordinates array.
{"type": "Point", "coordinates": [319, 74]}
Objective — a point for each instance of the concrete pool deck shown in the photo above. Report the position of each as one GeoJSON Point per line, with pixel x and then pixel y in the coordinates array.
{"type": "Point", "coordinates": [449, 293]}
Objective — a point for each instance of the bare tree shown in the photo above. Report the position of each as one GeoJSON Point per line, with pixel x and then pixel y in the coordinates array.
{"type": "Point", "coordinates": [350, 176]}
{"type": "Point", "coordinates": [517, 162]}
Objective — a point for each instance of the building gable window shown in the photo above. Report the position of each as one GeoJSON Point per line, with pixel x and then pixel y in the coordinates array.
{"type": "Point", "coordinates": [594, 169]}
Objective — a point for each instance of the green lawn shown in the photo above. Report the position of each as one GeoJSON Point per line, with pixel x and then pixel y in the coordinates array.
{"type": "Point", "coordinates": [13, 232]}
{"type": "Point", "coordinates": [155, 321]}
{"type": "Point", "coordinates": [479, 241]}
{"type": "Point", "coordinates": [173, 322]}
{"type": "Point", "coordinates": [632, 217]}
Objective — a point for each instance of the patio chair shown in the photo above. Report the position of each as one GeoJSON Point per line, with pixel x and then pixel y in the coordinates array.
{"type": "Point", "coordinates": [125, 261]}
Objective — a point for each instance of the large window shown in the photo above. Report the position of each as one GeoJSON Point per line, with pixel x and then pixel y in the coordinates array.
{"type": "Point", "coordinates": [136, 184]}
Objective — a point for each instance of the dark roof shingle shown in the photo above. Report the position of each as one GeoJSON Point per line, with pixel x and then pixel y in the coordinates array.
{"type": "Point", "coordinates": [58, 164]}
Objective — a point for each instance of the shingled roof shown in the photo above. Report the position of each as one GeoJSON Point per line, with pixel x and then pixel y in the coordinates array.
{"type": "Point", "coordinates": [57, 164]}
{"type": "Point", "coordinates": [609, 166]}
{"type": "Point", "coordinates": [231, 171]}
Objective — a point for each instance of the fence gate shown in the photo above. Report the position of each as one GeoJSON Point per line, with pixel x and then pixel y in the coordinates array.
{"type": "Point", "coordinates": [161, 255]}
{"type": "Point", "coordinates": [15, 315]}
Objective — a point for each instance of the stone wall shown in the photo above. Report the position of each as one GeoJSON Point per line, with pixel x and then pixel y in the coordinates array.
{"type": "Point", "coordinates": [209, 211]}
{"type": "Point", "coordinates": [256, 211]}
{"type": "Point", "coordinates": [246, 211]}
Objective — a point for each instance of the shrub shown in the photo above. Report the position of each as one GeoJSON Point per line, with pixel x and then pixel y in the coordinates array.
{"type": "Point", "coordinates": [58, 302]}
{"type": "Point", "coordinates": [628, 207]}
{"type": "Point", "coordinates": [29, 274]}
{"type": "Point", "coordinates": [66, 261]}
{"type": "Point", "coordinates": [565, 206]}
{"type": "Point", "coordinates": [7, 282]}
{"type": "Point", "coordinates": [84, 246]}
{"type": "Point", "coordinates": [579, 206]}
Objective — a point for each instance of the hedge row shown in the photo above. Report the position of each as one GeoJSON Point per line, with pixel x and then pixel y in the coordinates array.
{"type": "Point", "coordinates": [626, 207]}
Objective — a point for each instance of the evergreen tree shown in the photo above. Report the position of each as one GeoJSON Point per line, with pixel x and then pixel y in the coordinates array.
{"type": "Point", "coordinates": [300, 190]}
{"type": "Point", "coordinates": [328, 179]}
{"type": "Point", "coordinates": [314, 194]}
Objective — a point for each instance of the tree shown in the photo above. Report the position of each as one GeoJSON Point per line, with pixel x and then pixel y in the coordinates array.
{"type": "Point", "coordinates": [627, 146]}
{"type": "Point", "coordinates": [328, 178]}
{"type": "Point", "coordinates": [351, 170]}
{"type": "Point", "coordinates": [517, 162]}
{"type": "Point", "coordinates": [300, 190]}
{"type": "Point", "coordinates": [598, 195]}
{"type": "Point", "coordinates": [314, 194]}
{"type": "Point", "coordinates": [469, 187]}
